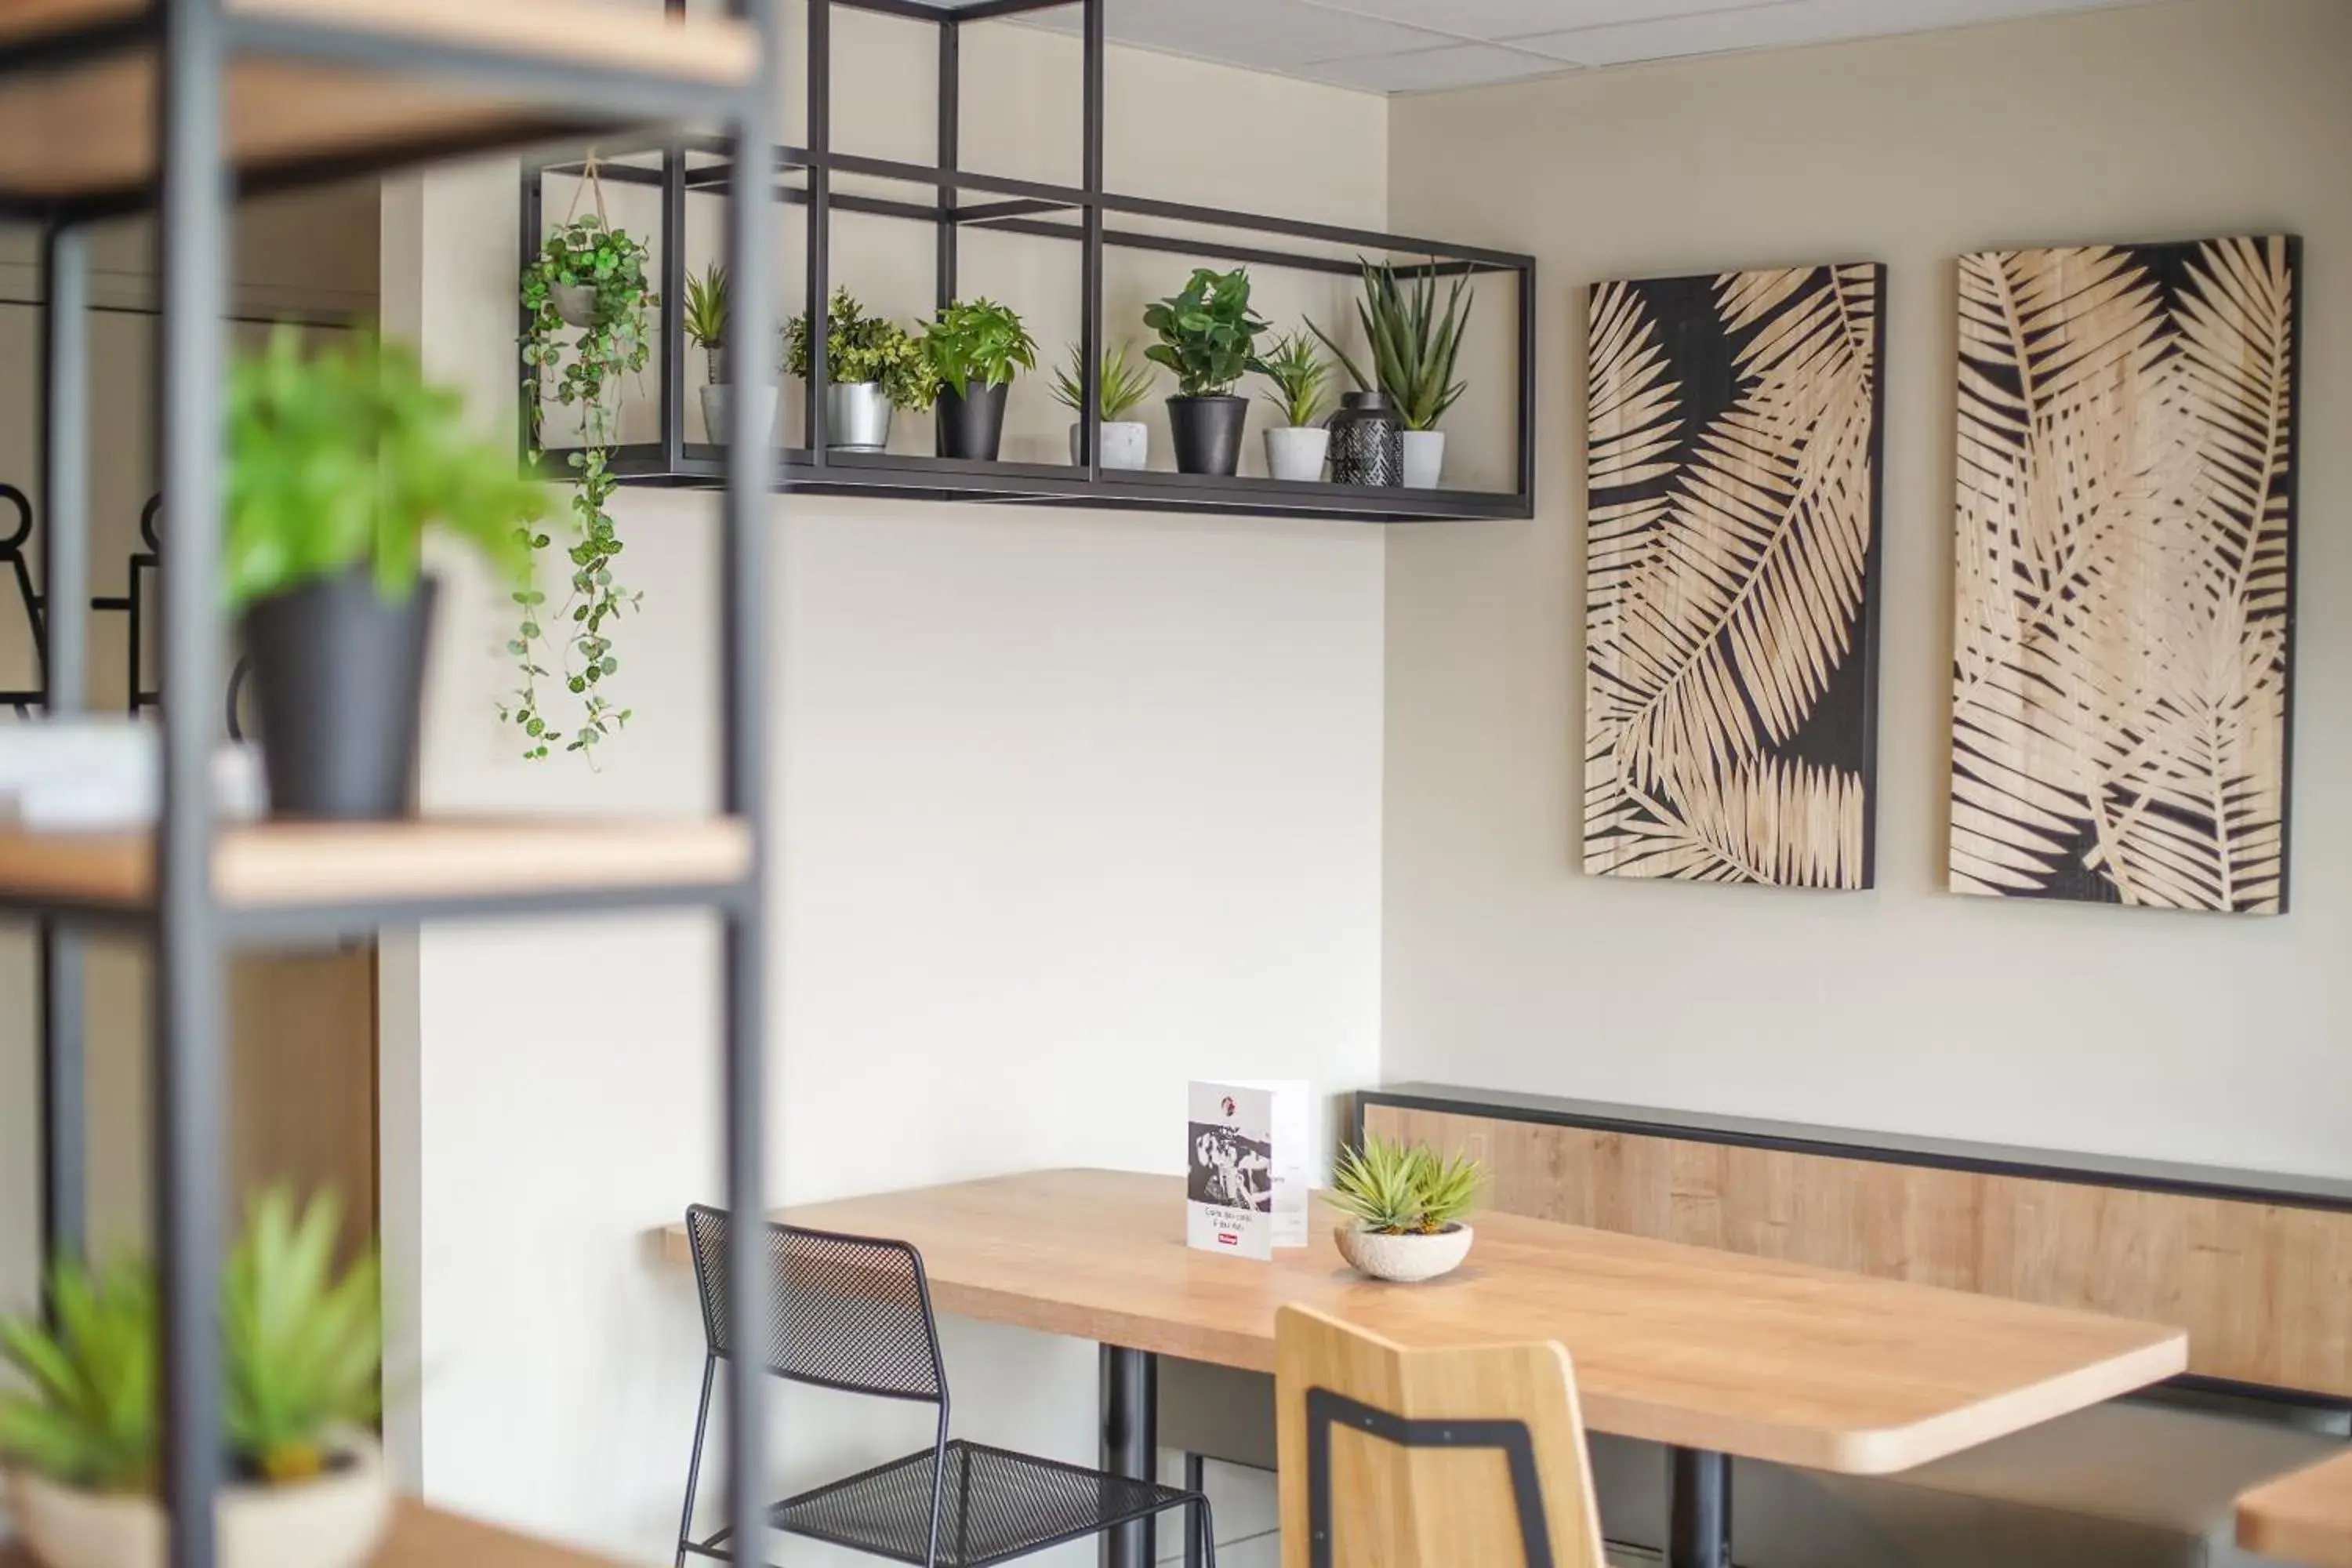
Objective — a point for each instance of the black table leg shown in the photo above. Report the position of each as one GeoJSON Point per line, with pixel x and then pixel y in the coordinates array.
{"type": "Point", "coordinates": [1698, 1485]}
{"type": "Point", "coordinates": [1130, 1443]}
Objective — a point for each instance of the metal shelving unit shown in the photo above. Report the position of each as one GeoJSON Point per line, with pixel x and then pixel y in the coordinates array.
{"type": "Point", "coordinates": [1081, 214]}
{"type": "Point", "coordinates": [109, 107]}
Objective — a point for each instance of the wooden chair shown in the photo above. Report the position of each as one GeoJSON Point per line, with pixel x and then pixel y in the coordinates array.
{"type": "Point", "coordinates": [1470, 1456]}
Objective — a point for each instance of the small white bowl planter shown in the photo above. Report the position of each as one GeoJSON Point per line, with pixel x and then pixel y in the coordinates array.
{"type": "Point", "coordinates": [1295, 451]}
{"type": "Point", "coordinates": [1406, 1259]}
{"type": "Point", "coordinates": [334, 1522]}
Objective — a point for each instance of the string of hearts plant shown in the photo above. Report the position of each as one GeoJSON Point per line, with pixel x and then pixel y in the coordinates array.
{"type": "Point", "coordinates": [589, 277]}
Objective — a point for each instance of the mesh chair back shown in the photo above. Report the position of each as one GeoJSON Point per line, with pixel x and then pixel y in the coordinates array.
{"type": "Point", "coordinates": [851, 1312]}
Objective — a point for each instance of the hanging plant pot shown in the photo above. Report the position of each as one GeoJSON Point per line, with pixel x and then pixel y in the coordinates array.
{"type": "Point", "coordinates": [1207, 432]}
{"type": "Point", "coordinates": [1295, 452]}
{"type": "Point", "coordinates": [575, 302]}
{"type": "Point", "coordinates": [857, 416]}
{"type": "Point", "coordinates": [338, 677]}
{"type": "Point", "coordinates": [1425, 458]}
{"type": "Point", "coordinates": [971, 425]}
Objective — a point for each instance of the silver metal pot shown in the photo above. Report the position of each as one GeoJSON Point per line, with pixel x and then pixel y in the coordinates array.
{"type": "Point", "coordinates": [857, 416]}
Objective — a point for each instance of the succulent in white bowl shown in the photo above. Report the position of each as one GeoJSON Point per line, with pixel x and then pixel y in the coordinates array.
{"type": "Point", "coordinates": [301, 1356]}
{"type": "Point", "coordinates": [1403, 1208]}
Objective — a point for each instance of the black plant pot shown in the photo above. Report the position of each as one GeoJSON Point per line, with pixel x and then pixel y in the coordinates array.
{"type": "Point", "coordinates": [971, 425]}
{"type": "Point", "coordinates": [1208, 433]}
{"type": "Point", "coordinates": [338, 677]}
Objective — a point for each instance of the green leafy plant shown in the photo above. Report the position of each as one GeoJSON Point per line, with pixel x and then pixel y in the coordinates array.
{"type": "Point", "coordinates": [861, 347]}
{"type": "Point", "coordinates": [301, 1358]}
{"type": "Point", "coordinates": [705, 316]}
{"type": "Point", "coordinates": [1398, 1189]}
{"type": "Point", "coordinates": [1119, 387]}
{"type": "Point", "coordinates": [1207, 334]}
{"type": "Point", "coordinates": [1299, 375]}
{"type": "Point", "coordinates": [610, 263]}
{"type": "Point", "coordinates": [1413, 343]}
{"type": "Point", "coordinates": [343, 458]}
{"type": "Point", "coordinates": [978, 339]}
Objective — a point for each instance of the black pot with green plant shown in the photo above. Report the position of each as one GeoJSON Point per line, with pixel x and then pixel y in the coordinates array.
{"type": "Point", "coordinates": [337, 462]}
{"type": "Point", "coordinates": [1414, 345]}
{"type": "Point", "coordinates": [1209, 338]}
{"type": "Point", "coordinates": [975, 347]}
{"type": "Point", "coordinates": [873, 365]}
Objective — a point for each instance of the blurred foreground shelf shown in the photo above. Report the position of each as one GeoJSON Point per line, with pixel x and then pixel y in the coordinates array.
{"type": "Point", "coordinates": [425, 1537]}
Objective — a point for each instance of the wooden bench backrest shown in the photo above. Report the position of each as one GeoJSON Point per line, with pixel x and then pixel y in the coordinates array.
{"type": "Point", "coordinates": [2257, 1268]}
{"type": "Point", "coordinates": [1415, 1478]}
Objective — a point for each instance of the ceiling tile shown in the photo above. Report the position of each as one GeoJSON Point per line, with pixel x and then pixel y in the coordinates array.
{"type": "Point", "coordinates": [1271, 35]}
{"type": "Point", "coordinates": [1426, 71]}
{"type": "Point", "coordinates": [1775, 24]}
{"type": "Point", "coordinates": [1491, 20]}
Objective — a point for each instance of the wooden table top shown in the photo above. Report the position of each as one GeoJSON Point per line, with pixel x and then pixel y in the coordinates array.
{"type": "Point", "coordinates": [2303, 1517]}
{"type": "Point", "coordinates": [423, 1537]}
{"type": "Point", "coordinates": [1672, 1343]}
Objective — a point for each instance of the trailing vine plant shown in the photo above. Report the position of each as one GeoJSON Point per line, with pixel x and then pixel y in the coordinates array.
{"type": "Point", "coordinates": [589, 277]}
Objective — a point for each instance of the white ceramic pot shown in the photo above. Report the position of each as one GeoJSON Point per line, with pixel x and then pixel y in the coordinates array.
{"type": "Point", "coordinates": [1125, 444]}
{"type": "Point", "coordinates": [334, 1522]}
{"type": "Point", "coordinates": [1425, 458]}
{"type": "Point", "coordinates": [575, 302]}
{"type": "Point", "coordinates": [1296, 452]}
{"type": "Point", "coordinates": [1406, 1259]}
{"type": "Point", "coordinates": [714, 411]}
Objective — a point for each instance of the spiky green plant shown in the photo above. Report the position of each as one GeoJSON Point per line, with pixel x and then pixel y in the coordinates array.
{"type": "Point", "coordinates": [705, 318]}
{"type": "Point", "coordinates": [88, 1417]}
{"type": "Point", "coordinates": [1401, 1189]}
{"type": "Point", "coordinates": [1118, 385]}
{"type": "Point", "coordinates": [1413, 344]}
{"type": "Point", "coordinates": [1299, 375]}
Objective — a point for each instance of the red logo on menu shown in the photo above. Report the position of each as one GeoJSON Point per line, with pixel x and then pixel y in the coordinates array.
{"type": "Point", "coordinates": [1228, 1239]}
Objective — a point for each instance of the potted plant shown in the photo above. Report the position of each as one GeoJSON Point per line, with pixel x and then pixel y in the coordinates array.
{"type": "Point", "coordinates": [975, 341]}
{"type": "Point", "coordinates": [1119, 388]}
{"type": "Point", "coordinates": [705, 321]}
{"type": "Point", "coordinates": [337, 462]}
{"type": "Point", "coordinates": [1208, 337]}
{"type": "Point", "coordinates": [301, 1358]}
{"type": "Point", "coordinates": [1414, 348]}
{"type": "Point", "coordinates": [1295, 450]}
{"type": "Point", "coordinates": [872, 366]}
{"type": "Point", "coordinates": [1403, 1208]}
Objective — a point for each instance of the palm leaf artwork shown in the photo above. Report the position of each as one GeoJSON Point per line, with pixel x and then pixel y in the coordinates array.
{"type": "Point", "coordinates": [1732, 461]}
{"type": "Point", "coordinates": [2124, 532]}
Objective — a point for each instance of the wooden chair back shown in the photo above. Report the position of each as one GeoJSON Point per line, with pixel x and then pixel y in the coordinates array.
{"type": "Point", "coordinates": [1468, 1457]}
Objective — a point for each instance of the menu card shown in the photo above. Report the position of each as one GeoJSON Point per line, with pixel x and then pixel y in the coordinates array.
{"type": "Point", "coordinates": [1247, 1162]}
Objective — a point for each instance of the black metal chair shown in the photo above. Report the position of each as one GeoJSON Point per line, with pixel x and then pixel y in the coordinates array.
{"type": "Point", "coordinates": [854, 1313]}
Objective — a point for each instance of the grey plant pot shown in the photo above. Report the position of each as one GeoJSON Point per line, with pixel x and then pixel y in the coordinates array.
{"type": "Point", "coordinates": [1125, 443]}
{"type": "Point", "coordinates": [715, 401]}
{"type": "Point", "coordinates": [857, 416]}
{"type": "Point", "coordinates": [1295, 452]}
{"type": "Point", "coordinates": [575, 302]}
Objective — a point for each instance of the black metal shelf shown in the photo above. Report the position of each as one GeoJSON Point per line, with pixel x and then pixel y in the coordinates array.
{"type": "Point", "coordinates": [683, 167]}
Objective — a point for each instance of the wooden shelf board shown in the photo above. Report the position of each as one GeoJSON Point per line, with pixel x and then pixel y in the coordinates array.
{"type": "Point", "coordinates": [2303, 1517]}
{"type": "Point", "coordinates": [291, 864]}
{"type": "Point", "coordinates": [86, 130]}
{"type": "Point", "coordinates": [424, 1537]}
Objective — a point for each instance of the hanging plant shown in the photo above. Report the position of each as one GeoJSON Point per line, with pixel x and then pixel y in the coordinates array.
{"type": "Point", "coordinates": [589, 278]}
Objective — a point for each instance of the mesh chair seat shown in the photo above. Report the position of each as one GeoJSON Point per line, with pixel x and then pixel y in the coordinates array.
{"type": "Point", "coordinates": [993, 1505]}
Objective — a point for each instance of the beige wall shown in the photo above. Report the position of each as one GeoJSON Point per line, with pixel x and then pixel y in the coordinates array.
{"type": "Point", "coordinates": [2186, 1035]}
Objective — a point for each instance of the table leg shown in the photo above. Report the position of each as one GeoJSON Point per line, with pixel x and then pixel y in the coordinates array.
{"type": "Point", "coordinates": [1130, 1443]}
{"type": "Point", "coordinates": [1698, 1485]}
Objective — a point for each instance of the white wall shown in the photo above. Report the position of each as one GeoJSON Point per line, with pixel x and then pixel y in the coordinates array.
{"type": "Point", "coordinates": [1074, 806]}
{"type": "Point", "coordinates": [2189, 1037]}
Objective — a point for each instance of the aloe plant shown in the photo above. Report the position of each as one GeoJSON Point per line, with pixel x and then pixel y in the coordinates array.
{"type": "Point", "coordinates": [1413, 343]}
{"type": "Point", "coordinates": [1400, 1189]}
{"type": "Point", "coordinates": [88, 1418]}
{"type": "Point", "coordinates": [1118, 385]}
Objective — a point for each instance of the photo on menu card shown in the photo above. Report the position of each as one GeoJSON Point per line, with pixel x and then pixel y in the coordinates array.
{"type": "Point", "coordinates": [1229, 1170]}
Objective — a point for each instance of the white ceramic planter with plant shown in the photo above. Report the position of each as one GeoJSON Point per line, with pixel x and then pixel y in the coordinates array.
{"type": "Point", "coordinates": [705, 319]}
{"type": "Point", "coordinates": [301, 1361]}
{"type": "Point", "coordinates": [1294, 448]}
{"type": "Point", "coordinates": [1402, 1210]}
{"type": "Point", "coordinates": [1414, 346]}
{"type": "Point", "coordinates": [873, 366]}
{"type": "Point", "coordinates": [1120, 388]}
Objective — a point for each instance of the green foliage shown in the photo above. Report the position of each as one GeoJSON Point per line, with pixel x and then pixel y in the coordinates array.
{"type": "Point", "coordinates": [705, 317]}
{"type": "Point", "coordinates": [301, 1355]}
{"type": "Point", "coordinates": [859, 347]}
{"type": "Point", "coordinates": [344, 458]}
{"type": "Point", "coordinates": [1414, 344]}
{"type": "Point", "coordinates": [1207, 335]}
{"type": "Point", "coordinates": [978, 338]}
{"type": "Point", "coordinates": [1300, 376]}
{"type": "Point", "coordinates": [303, 1346]}
{"type": "Point", "coordinates": [1404, 1189]}
{"type": "Point", "coordinates": [90, 1417]}
{"type": "Point", "coordinates": [1119, 387]}
{"type": "Point", "coordinates": [614, 343]}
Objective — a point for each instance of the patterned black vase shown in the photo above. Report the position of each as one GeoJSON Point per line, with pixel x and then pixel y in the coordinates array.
{"type": "Point", "coordinates": [1367, 441]}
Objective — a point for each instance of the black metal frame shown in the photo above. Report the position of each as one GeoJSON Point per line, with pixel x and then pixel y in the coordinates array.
{"type": "Point", "coordinates": [190, 43]}
{"type": "Point", "coordinates": [1025, 207]}
{"type": "Point", "coordinates": [1327, 1409]}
